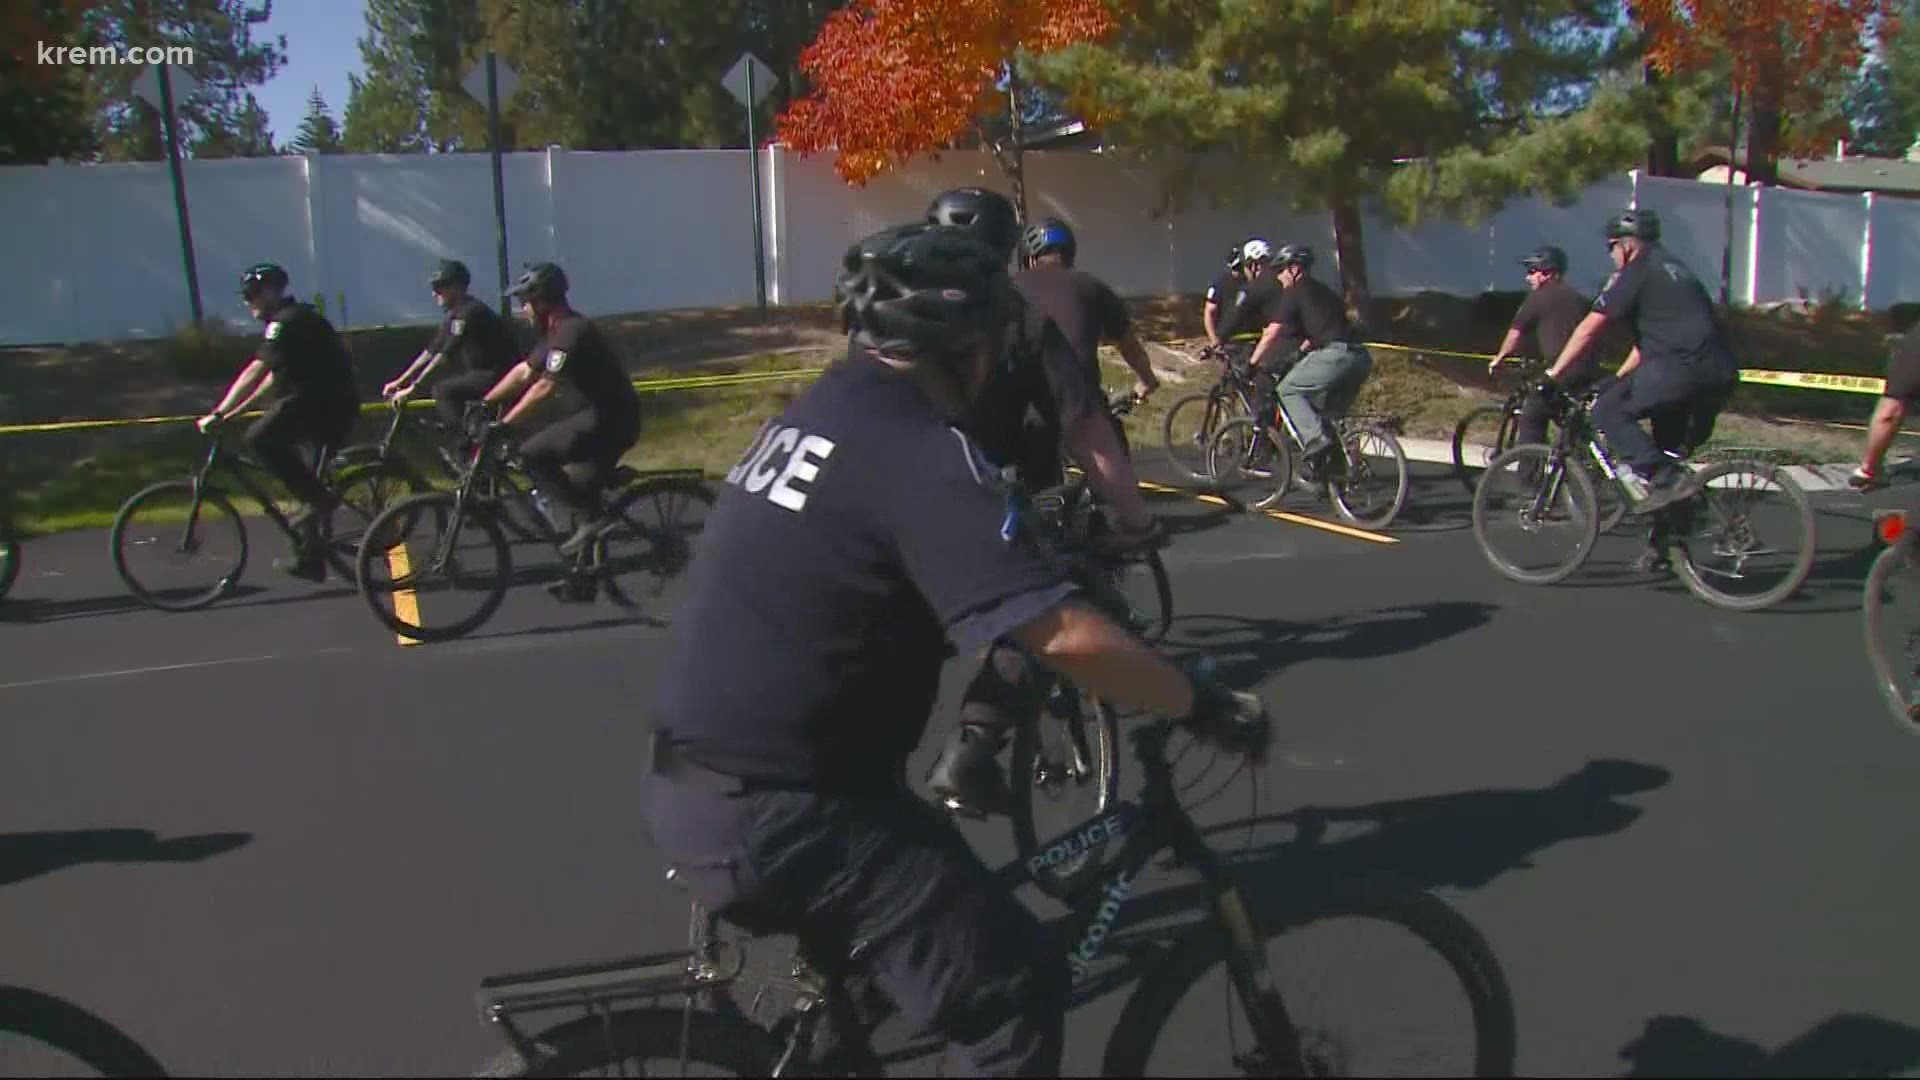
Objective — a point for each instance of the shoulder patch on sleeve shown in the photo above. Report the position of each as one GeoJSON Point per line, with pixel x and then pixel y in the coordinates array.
{"type": "Point", "coordinates": [273, 329]}
{"type": "Point", "coordinates": [556, 359]}
{"type": "Point", "coordinates": [456, 326]}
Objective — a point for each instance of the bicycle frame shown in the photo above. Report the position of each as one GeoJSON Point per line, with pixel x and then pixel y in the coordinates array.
{"type": "Point", "coordinates": [241, 469]}
{"type": "Point", "coordinates": [1147, 826]}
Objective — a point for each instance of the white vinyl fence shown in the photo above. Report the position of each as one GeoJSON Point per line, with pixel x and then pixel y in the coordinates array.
{"type": "Point", "coordinates": [92, 252]}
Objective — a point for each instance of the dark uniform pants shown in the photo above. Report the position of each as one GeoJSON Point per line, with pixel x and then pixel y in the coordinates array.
{"type": "Point", "coordinates": [291, 424]}
{"type": "Point", "coordinates": [883, 892]}
{"type": "Point", "coordinates": [1536, 411]}
{"type": "Point", "coordinates": [588, 440]}
{"type": "Point", "coordinates": [1683, 406]}
{"type": "Point", "coordinates": [451, 394]}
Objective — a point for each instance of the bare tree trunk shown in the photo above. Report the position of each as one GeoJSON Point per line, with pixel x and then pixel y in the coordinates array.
{"type": "Point", "coordinates": [1763, 143]}
{"type": "Point", "coordinates": [1349, 245]}
{"type": "Point", "coordinates": [1017, 171]}
{"type": "Point", "coordinates": [1663, 149]}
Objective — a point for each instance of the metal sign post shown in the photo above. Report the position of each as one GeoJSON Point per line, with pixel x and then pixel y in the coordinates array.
{"type": "Point", "coordinates": [750, 80]}
{"type": "Point", "coordinates": [154, 86]}
{"type": "Point", "coordinates": [494, 82]}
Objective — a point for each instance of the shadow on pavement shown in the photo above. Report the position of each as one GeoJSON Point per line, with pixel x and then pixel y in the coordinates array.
{"type": "Point", "coordinates": [31, 609]}
{"type": "Point", "coordinates": [1246, 650]}
{"type": "Point", "coordinates": [1436, 502]}
{"type": "Point", "coordinates": [29, 855]}
{"type": "Point", "coordinates": [1848, 1044]}
{"type": "Point", "coordinates": [50, 1033]}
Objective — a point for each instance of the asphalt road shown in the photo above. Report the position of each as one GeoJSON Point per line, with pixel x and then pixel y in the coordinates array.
{"type": "Point", "coordinates": [266, 839]}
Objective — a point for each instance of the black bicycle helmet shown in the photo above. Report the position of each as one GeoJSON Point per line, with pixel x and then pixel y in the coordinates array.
{"type": "Point", "coordinates": [450, 272]}
{"type": "Point", "coordinates": [1639, 224]}
{"type": "Point", "coordinates": [1546, 257]}
{"type": "Point", "coordinates": [540, 281]}
{"type": "Point", "coordinates": [923, 290]}
{"type": "Point", "coordinates": [1051, 234]}
{"type": "Point", "coordinates": [259, 276]}
{"type": "Point", "coordinates": [1299, 255]}
{"type": "Point", "coordinates": [989, 214]}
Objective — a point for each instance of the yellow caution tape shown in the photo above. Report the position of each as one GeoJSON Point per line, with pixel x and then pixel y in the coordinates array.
{"type": "Point", "coordinates": [1853, 384]}
{"type": "Point", "coordinates": [644, 386]}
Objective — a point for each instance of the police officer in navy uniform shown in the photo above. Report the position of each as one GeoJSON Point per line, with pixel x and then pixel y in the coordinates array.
{"type": "Point", "coordinates": [853, 547]}
{"type": "Point", "coordinates": [1043, 394]}
{"type": "Point", "coordinates": [302, 356]}
{"type": "Point", "coordinates": [571, 359]}
{"type": "Point", "coordinates": [1680, 374]}
{"type": "Point", "coordinates": [477, 339]}
{"type": "Point", "coordinates": [1223, 297]}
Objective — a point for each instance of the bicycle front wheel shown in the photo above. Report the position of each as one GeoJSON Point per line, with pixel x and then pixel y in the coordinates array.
{"type": "Point", "coordinates": [178, 546]}
{"type": "Point", "coordinates": [1238, 457]}
{"type": "Point", "coordinates": [659, 520]}
{"type": "Point", "coordinates": [1374, 488]}
{"type": "Point", "coordinates": [1437, 972]}
{"type": "Point", "coordinates": [644, 1042]}
{"type": "Point", "coordinates": [432, 570]}
{"type": "Point", "coordinates": [1892, 616]}
{"type": "Point", "coordinates": [1189, 427]}
{"type": "Point", "coordinates": [1739, 550]}
{"type": "Point", "coordinates": [1535, 518]}
{"type": "Point", "coordinates": [1066, 769]}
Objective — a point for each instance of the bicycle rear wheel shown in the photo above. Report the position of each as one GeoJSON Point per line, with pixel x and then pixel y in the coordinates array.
{"type": "Point", "coordinates": [1065, 769]}
{"type": "Point", "coordinates": [1724, 558]}
{"type": "Point", "coordinates": [1305, 927]}
{"type": "Point", "coordinates": [366, 490]}
{"type": "Point", "coordinates": [658, 523]}
{"type": "Point", "coordinates": [1374, 489]}
{"type": "Point", "coordinates": [644, 1042]}
{"type": "Point", "coordinates": [1189, 427]}
{"type": "Point", "coordinates": [1551, 505]}
{"type": "Point", "coordinates": [1891, 614]}
{"type": "Point", "coordinates": [1479, 437]}
{"type": "Point", "coordinates": [178, 546]}
{"type": "Point", "coordinates": [423, 556]}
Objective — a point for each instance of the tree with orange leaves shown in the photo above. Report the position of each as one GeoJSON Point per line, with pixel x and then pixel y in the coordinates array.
{"type": "Point", "coordinates": [1784, 54]}
{"type": "Point", "coordinates": [892, 79]}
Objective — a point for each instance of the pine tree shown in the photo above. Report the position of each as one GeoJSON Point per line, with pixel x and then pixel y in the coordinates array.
{"type": "Point", "coordinates": [318, 133]}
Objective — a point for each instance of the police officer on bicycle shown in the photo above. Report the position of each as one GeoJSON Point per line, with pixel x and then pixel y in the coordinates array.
{"type": "Point", "coordinates": [1550, 312]}
{"type": "Point", "coordinates": [302, 356]}
{"type": "Point", "coordinates": [473, 335]}
{"type": "Point", "coordinates": [1307, 327]}
{"type": "Point", "coordinates": [855, 541]}
{"type": "Point", "coordinates": [572, 362]}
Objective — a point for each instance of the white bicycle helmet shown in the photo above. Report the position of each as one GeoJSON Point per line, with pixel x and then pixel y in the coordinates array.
{"type": "Point", "coordinates": [1256, 251]}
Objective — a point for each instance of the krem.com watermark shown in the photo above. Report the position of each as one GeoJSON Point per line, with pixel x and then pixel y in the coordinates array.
{"type": "Point", "coordinates": [139, 55]}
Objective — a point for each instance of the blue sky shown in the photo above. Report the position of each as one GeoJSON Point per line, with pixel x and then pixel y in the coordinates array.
{"type": "Point", "coordinates": [322, 47]}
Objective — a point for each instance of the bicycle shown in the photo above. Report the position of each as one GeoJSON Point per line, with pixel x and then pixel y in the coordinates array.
{"type": "Point", "coordinates": [627, 1020]}
{"type": "Point", "coordinates": [1490, 430]}
{"type": "Point", "coordinates": [492, 479]}
{"type": "Point", "coordinates": [363, 476]}
{"type": "Point", "coordinates": [1550, 493]}
{"type": "Point", "coordinates": [51, 1025]}
{"type": "Point", "coordinates": [1896, 676]}
{"type": "Point", "coordinates": [1192, 421]}
{"type": "Point", "coordinates": [1359, 492]}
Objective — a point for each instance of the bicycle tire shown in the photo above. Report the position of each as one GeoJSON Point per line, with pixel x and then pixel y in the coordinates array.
{"type": "Point", "coordinates": [438, 506]}
{"type": "Point", "coordinates": [1398, 455]}
{"type": "Point", "coordinates": [1216, 407]}
{"type": "Point", "coordinates": [578, 1047]}
{"type": "Point", "coordinates": [1430, 919]}
{"type": "Point", "coordinates": [9, 565]}
{"type": "Point", "coordinates": [1469, 475]}
{"type": "Point", "coordinates": [1226, 451]}
{"type": "Point", "coordinates": [1163, 594]}
{"type": "Point", "coordinates": [75, 1032]}
{"type": "Point", "coordinates": [1803, 562]}
{"type": "Point", "coordinates": [1895, 557]}
{"type": "Point", "coordinates": [1586, 510]}
{"type": "Point", "coordinates": [208, 496]}
{"type": "Point", "coordinates": [1100, 723]}
{"type": "Point", "coordinates": [377, 498]}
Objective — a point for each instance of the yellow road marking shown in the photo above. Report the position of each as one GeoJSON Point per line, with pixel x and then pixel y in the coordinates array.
{"type": "Point", "coordinates": [1278, 515]}
{"type": "Point", "coordinates": [405, 604]}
